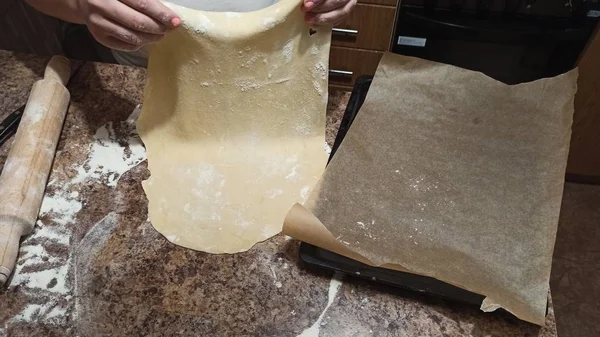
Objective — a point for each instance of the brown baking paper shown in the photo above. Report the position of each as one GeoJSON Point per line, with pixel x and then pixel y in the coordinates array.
{"type": "Point", "coordinates": [450, 174]}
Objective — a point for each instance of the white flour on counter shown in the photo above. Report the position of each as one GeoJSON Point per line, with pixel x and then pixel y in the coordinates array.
{"type": "Point", "coordinates": [334, 287]}
{"type": "Point", "coordinates": [108, 160]}
{"type": "Point", "coordinates": [41, 271]}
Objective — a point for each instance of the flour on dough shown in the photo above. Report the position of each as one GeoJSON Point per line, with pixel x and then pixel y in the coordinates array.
{"type": "Point", "coordinates": [234, 124]}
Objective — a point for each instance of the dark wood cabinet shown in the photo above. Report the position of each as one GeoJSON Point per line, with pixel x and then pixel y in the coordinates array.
{"type": "Point", "coordinates": [359, 42]}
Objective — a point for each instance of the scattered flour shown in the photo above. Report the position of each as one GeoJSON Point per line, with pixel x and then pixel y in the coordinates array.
{"type": "Point", "coordinates": [41, 270]}
{"type": "Point", "coordinates": [318, 87]}
{"type": "Point", "coordinates": [35, 111]}
{"type": "Point", "coordinates": [274, 193]}
{"type": "Point", "coordinates": [320, 70]}
{"type": "Point", "coordinates": [62, 205]}
{"type": "Point", "coordinates": [334, 287]}
{"type": "Point", "coordinates": [293, 174]}
{"type": "Point", "coordinates": [202, 25]}
{"type": "Point", "coordinates": [53, 279]}
{"type": "Point", "coordinates": [304, 194]}
{"type": "Point", "coordinates": [269, 22]}
{"type": "Point", "coordinates": [249, 84]}
{"type": "Point", "coordinates": [252, 59]}
{"type": "Point", "coordinates": [288, 51]}
{"type": "Point", "coordinates": [108, 159]}
{"type": "Point", "coordinates": [33, 312]}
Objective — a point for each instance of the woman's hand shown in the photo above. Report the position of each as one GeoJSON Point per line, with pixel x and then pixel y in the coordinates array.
{"type": "Point", "coordinates": [127, 24]}
{"type": "Point", "coordinates": [327, 12]}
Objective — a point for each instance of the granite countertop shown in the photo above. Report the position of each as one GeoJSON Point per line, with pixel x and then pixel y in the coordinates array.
{"type": "Point", "coordinates": [95, 267]}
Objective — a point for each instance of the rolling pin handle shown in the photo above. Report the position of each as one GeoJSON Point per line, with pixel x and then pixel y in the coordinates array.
{"type": "Point", "coordinates": [59, 68]}
{"type": "Point", "coordinates": [3, 276]}
{"type": "Point", "coordinates": [9, 245]}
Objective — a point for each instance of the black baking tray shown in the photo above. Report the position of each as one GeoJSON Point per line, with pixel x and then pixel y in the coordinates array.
{"type": "Point", "coordinates": [316, 257]}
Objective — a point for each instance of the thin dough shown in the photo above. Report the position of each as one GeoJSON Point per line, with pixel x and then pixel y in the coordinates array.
{"type": "Point", "coordinates": [234, 124]}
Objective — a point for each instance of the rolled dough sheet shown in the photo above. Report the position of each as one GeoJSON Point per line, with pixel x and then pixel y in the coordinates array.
{"type": "Point", "coordinates": [234, 124]}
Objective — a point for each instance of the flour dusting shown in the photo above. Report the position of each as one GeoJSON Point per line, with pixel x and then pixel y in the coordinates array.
{"type": "Point", "coordinates": [320, 70]}
{"type": "Point", "coordinates": [35, 112]}
{"type": "Point", "coordinates": [108, 160]}
{"type": "Point", "coordinates": [62, 205]}
{"type": "Point", "coordinates": [52, 280]}
{"type": "Point", "coordinates": [271, 194]}
{"type": "Point", "coordinates": [269, 22]}
{"type": "Point", "coordinates": [43, 266]}
{"type": "Point", "coordinates": [318, 87]}
{"type": "Point", "coordinates": [41, 269]}
{"type": "Point", "coordinates": [334, 287]}
{"type": "Point", "coordinates": [288, 51]}
{"type": "Point", "coordinates": [202, 25]}
{"type": "Point", "coordinates": [250, 60]}
{"type": "Point", "coordinates": [304, 194]}
{"type": "Point", "coordinates": [33, 312]}
{"type": "Point", "coordinates": [249, 84]}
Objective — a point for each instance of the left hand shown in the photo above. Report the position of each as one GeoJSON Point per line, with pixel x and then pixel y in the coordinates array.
{"type": "Point", "coordinates": [327, 12]}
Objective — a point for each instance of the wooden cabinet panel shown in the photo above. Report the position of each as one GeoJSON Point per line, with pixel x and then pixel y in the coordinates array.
{"type": "Point", "coordinates": [346, 65]}
{"type": "Point", "coordinates": [367, 27]}
{"type": "Point", "coordinates": [380, 2]}
{"type": "Point", "coordinates": [584, 154]}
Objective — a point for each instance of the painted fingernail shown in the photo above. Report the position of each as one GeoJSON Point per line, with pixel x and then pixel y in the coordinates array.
{"type": "Point", "coordinates": [175, 22]}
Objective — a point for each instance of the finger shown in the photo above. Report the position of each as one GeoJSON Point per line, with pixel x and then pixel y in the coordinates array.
{"type": "Point", "coordinates": [328, 6]}
{"type": "Point", "coordinates": [332, 17]}
{"type": "Point", "coordinates": [114, 43]}
{"type": "Point", "coordinates": [308, 5]}
{"type": "Point", "coordinates": [105, 26]}
{"type": "Point", "coordinates": [155, 9]}
{"type": "Point", "coordinates": [131, 18]}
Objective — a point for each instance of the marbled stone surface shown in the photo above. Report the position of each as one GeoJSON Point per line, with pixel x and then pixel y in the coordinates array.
{"type": "Point", "coordinates": [95, 267]}
{"type": "Point", "coordinates": [575, 280]}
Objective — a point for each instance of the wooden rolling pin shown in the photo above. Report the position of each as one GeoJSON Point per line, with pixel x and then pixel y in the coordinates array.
{"type": "Point", "coordinates": [27, 167]}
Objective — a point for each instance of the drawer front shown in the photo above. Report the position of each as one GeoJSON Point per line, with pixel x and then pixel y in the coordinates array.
{"type": "Point", "coordinates": [367, 27]}
{"type": "Point", "coordinates": [346, 65]}
{"type": "Point", "coordinates": [380, 2]}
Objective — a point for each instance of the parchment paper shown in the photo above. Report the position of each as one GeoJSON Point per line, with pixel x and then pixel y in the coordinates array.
{"type": "Point", "coordinates": [450, 174]}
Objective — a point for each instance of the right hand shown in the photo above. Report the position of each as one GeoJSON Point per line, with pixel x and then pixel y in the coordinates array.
{"type": "Point", "coordinates": [128, 24]}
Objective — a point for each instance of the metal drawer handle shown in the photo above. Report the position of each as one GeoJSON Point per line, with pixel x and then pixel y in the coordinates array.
{"type": "Point", "coordinates": [344, 31]}
{"type": "Point", "coordinates": [340, 72]}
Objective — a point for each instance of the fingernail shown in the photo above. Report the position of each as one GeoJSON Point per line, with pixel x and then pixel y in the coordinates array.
{"type": "Point", "coordinates": [175, 22]}
{"type": "Point", "coordinates": [309, 4]}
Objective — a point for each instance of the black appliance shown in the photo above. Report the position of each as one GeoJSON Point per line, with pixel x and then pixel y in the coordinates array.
{"type": "Point", "coordinates": [513, 41]}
